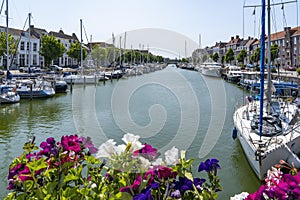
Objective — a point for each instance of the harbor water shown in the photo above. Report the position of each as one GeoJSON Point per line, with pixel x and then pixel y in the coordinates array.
{"type": "Point", "coordinates": [171, 107]}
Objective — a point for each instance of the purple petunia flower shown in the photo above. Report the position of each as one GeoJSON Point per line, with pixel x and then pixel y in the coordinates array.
{"type": "Point", "coordinates": [176, 194]}
{"type": "Point", "coordinates": [164, 172]}
{"type": "Point", "coordinates": [71, 143]}
{"type": "Point", "coordinates": [144, 195]}
{"type": "Point", "coordinates": [146, 150]}
{"type": "Point", "coordinates": [49, 147]}
{"type": "Point", "coordinates": [209, 165]}
{"type": "Point", "coordinates": [87, 142]}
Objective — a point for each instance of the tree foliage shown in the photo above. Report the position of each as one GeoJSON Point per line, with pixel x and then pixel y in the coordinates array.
{"type": "Point", "coordinates": [229, 56]}
{"type": "Point", "coordinates": [255, 56]}
{"type": "Point", "coordinates": [241, 56]}
{"type": "Point", "coordinates": [274, 52]}
{"type": "Point", "coordinates": [215, 57]}
{"type": "Point", "coordinates": [75, 52]}
{"type": "Point", "coordinates": [51, 48]}
{"type": "Point", "coordinates": [12, 44]}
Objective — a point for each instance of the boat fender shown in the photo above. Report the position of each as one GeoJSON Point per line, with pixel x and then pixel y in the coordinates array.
{"type": "Point", "coordinates": [234, 133]}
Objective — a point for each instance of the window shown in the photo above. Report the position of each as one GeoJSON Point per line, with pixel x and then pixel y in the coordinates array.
{"type": "Point", "coordinates": [34, 60]}
{"type": "Point", "coordinates": [283, 43]}
{"type": "Point", "coordinates": [22, 46]}
{"type": "Point", "coordinates": [295, 40]}
{"type": "Point", "coordinates": [27, 46]}
{"type": "Point", "coordinates": [34, 46]}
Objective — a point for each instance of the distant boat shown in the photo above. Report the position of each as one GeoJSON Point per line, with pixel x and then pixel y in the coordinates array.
{"type": "Point", "coordinates": [211, 68]}
{"type": "Point", "coordinates": [232, 73]}
{"type": "Point", "coordinates": [29, 90]}
{"type": "Point", "coordinates": [81, 79]}
{"type": "Point", "coordinates": [116, 74]}
{"type": "Point", "coordinates": [8, 95]}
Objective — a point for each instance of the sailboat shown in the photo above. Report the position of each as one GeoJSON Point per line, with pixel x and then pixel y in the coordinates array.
{"type": "Point", "coordinates": [80, 78]}
{"type": "Point", "coordinates": [7, 93]}
{"type": "Point", "coordinates": [268, 131]}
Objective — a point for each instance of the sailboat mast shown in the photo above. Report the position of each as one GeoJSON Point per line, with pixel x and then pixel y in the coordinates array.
{"type": "Point", "coordinates": [81, 53]}
{"type": "Point", "coordinates": [29, 41]}
{"type": "Point", "coordinates": [7, 47]}
{"type": "Point", "coordinates": [124, 48]}
{"type": "Point", "coordinates": [269, 57]}
{"type": "Point", "coordinates": [262, 65]}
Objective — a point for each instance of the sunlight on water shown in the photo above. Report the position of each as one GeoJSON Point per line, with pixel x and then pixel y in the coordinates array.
{"type": "Point", "coordinates": [172, 107]}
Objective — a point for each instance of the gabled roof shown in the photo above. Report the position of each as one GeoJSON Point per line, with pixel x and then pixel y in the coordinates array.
{"type": "Point", "coordinates": [296, 31]}
{"type": "Point", "coordinates": [220, 44]}
{"type": "Point", "coordinates": [277, 36]}
{"type": "Point", "coordinates": [38, 32]}
{"type": "Point", "coordinates": [234, 40]}
{"type": "Point", "coordinates": [15, 32]}
{"type": "Point", "coordinates": [62, 35]}
{"type": "Point", "coordinates": [251, 42]}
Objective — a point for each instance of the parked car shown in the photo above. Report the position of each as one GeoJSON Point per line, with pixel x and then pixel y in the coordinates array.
{"type": "Point", "coordinates": [55, 68]}
{"type": "Point", "coordinates": [290, 68]}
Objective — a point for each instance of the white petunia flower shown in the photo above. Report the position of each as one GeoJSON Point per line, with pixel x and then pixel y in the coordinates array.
{"type": "Point", "coordinates": [132, 140]}
{"type": "Point", "coordinates": [157, 162]}
{"type": "Point", "coordinates": [106, 149]}
{"type": "Point", "coordinates": [120, 148]}
{"type": "Point", "coordinates": [171, 156]}
{"type": "Point", "coordinates": [145, 163]}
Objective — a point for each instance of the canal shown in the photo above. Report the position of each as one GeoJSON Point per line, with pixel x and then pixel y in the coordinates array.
{"type": "Point", "coordinates": [171, 107]}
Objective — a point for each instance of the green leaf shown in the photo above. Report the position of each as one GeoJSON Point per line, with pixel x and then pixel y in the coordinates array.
{"type": "Point", "coordinates": [36, 165]}
{"type": "Point", "coordinates": [70, 177]}
{"type": "Point", "coordinates": [182, 154]}
{"type": "Point", "coordinates": [189, 175]}
{"type": "Point", "coordinates": [28, 185]}
{"type": "Point", "coordinates": [121, 196]}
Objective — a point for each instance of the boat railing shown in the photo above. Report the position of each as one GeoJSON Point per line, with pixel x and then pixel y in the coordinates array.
{"type": "Point", "coordinates": [244, 130]}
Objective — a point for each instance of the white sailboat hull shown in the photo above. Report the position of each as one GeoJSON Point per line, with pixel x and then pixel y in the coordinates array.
{"type": "Point", "coordinates": [283, 147]}
{"type": "Point", "coordinates": [78, 79]}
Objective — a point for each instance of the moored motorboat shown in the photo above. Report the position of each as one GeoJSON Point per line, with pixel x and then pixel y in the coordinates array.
{"type": "Point", "coordinates": [211, 68]}
{"type": "Point", "coordinates": [34, 89]}
{"type": "Point", "coordinates": [8, 95]}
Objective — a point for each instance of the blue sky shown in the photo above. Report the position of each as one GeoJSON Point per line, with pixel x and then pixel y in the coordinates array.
{"type": "Point", "coordinates": [215, 20]}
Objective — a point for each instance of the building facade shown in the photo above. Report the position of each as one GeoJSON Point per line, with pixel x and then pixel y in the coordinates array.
{"type": "Point", "coordinates": [29, 47]}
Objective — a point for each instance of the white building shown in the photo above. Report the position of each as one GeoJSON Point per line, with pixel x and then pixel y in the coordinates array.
{"type": "Point", "coordinates": [66, 40]}
{"type": "Point", "coordinates": [28, 48]}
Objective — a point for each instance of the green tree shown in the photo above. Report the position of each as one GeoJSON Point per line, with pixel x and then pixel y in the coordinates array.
{"type": "Point", "coordinates": [215, 57]}
{"type": "Point", "coordinates": [74, 52]}
{"type": "Point", "coordinates": [298, 70]}
{"type": "Point", "coordinates": [229, 56]}
{"type": "Point", "coordinates": [12, 44]}
{"type": "Point", "coordinates": [51, 48]}
{"type": "Point", "coordinates": [274, 52]}
{"type": "Point", "coordinates": [255, 56]}
{"type": "Point", "coordinates": [241, 56]}
{"type": "Point", "coordinates": [99, 55]}
{"type": "Point", "coordinates": [223, 59]}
